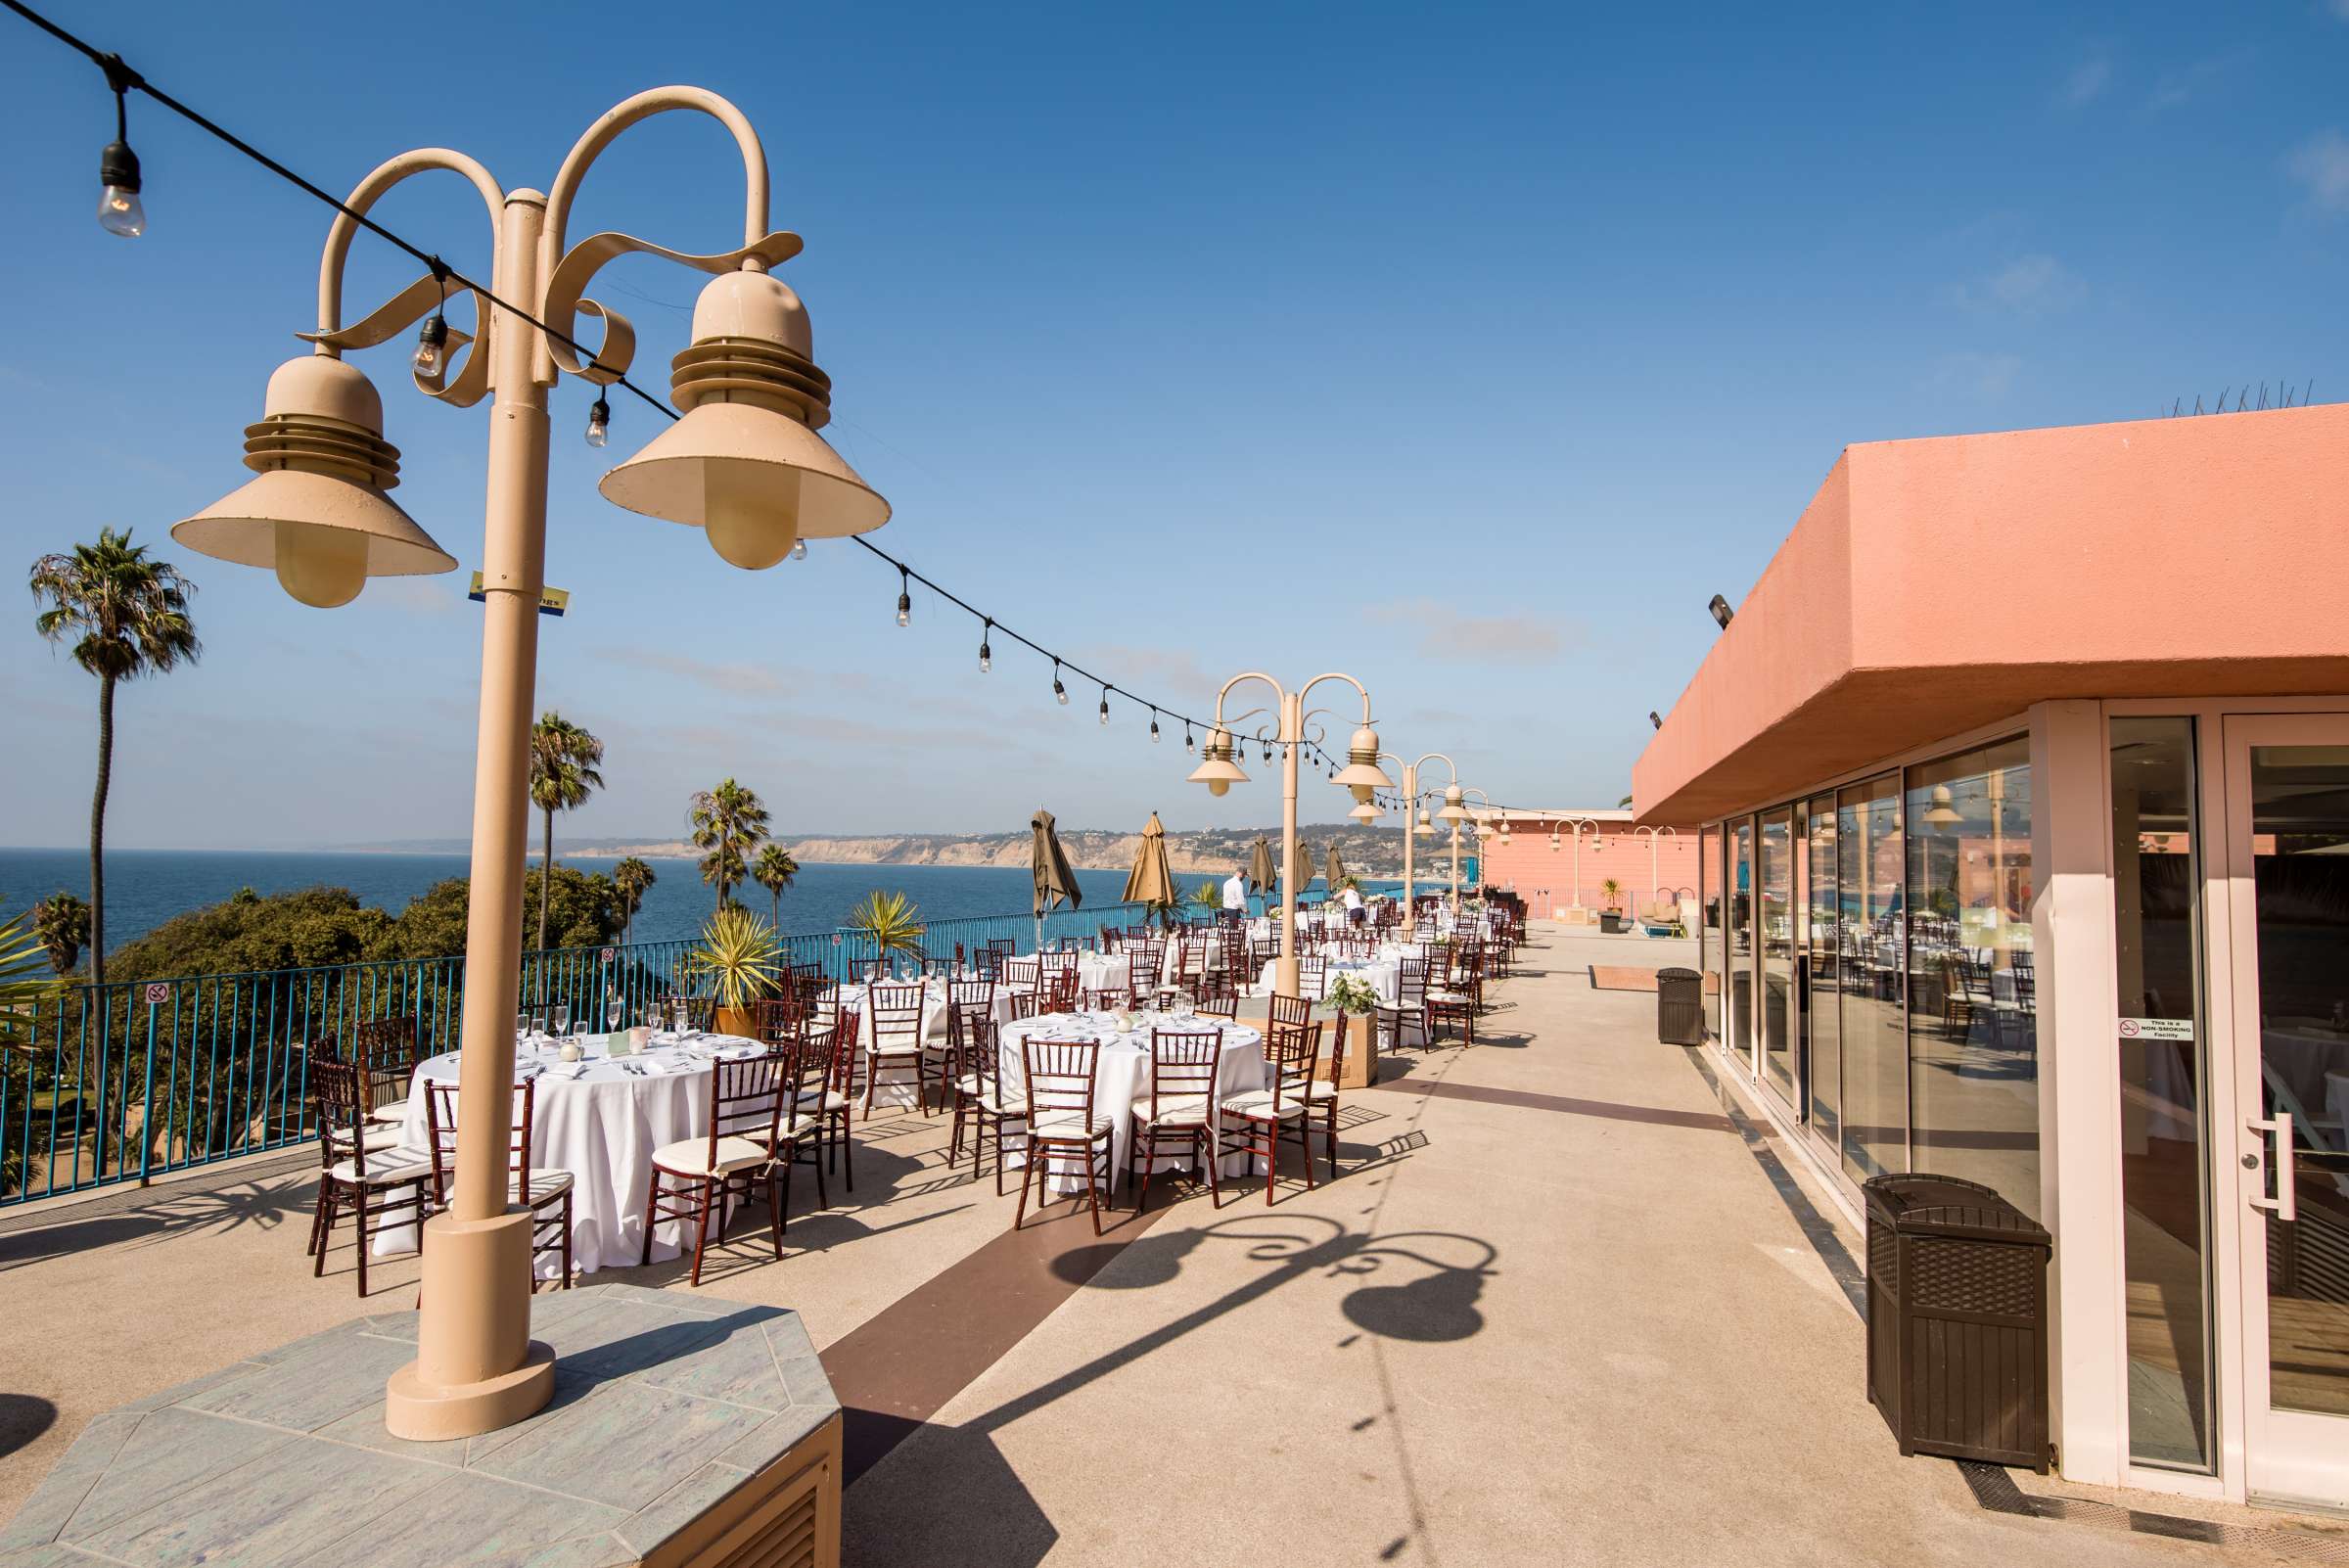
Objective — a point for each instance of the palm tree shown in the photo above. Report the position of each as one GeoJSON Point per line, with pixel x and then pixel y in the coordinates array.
{"type": "Point", "coordinates": [728, 821]}
{"type": "Point", "coordinates": [631, 876]}
{"type": "Point", "coordinates": [131, 617]}
{"type": "Point", "coordinates": [774, 871]}
{"type": "Point", "coordinates": [563, 771]}
{"type": "Point", "coordinates": [62, 923]}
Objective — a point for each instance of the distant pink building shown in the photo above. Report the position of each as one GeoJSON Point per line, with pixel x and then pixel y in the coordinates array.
{"type": "Point", "coordinates": [1560, 861]}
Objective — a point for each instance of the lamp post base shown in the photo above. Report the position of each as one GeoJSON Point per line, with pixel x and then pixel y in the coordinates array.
{"type": "Point", "coordinates": [477, 1369]}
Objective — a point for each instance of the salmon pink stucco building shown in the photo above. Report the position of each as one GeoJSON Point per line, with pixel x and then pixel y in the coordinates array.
{"type": "Point", "coordinates": [1561, 863]}
{"type": "Point", "coordinates": [2020, 786]}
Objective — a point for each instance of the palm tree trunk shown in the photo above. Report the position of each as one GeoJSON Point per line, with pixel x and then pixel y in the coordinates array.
{"type": "Point", "coordinates": [778, 897]}
{"type": "Point", "coordinates": [106, 767]}
{"type": "Point", "coordinates": [546, 875]}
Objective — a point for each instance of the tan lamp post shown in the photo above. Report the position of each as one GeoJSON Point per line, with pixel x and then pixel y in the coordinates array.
{"type": "Point", "coordinates": [1481, 824]}
{"type": "Point", "coordinates": [1577, 823]}
{"type": "Point", "coordinates": [1218, 771]}
{"type": "Point", "coordinates": [1410, 800]}
{"type": "Point", "coordinates": [744, 463]}
{"type": "Point", "coordinates": [1454, 813]}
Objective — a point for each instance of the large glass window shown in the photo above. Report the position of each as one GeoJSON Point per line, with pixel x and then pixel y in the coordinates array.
{"type": "Point", "coordinates": [1974, 1036]}
{"type": "Point", "coordinates": [2164, 1221]}
{"type": "Point", "coordinates": [1823, 971]}
{"type": "Point", "coordinates": [1709, 946]}
{"type": "Point", "coordinates": [1870, 880]}
{"type": "Point", "coordinates": [1740, 1040]}
{"type": "Point", "coordinates": [1776, 916]}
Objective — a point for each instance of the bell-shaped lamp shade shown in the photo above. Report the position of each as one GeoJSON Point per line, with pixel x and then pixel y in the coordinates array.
{"type": "Point", "coordinates": [317, 514]}
{"type": "Point", "coordinates": [1942, 811]}
{"type": "Point", "coordinates": [1365, 813]}
{"type": "Point", "coordinates": [1452, 810]}
{"type": "Point", "coordinates": [745, 463]}
{"type": "Point", "coordinates": [1216, 769]}
{"type": "Point", "coordinates": [1361, 774]}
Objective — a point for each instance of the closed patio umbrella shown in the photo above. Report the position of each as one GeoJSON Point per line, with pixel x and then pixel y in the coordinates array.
{"type": "Point", "coordinates": [1150, 882]}
{"type": "Point", "coordinates": [1261, 874]}
{"type": "Point", "coordinates": [1334, 872]}
{"type": "Point", "coordinates": [1055, 883]}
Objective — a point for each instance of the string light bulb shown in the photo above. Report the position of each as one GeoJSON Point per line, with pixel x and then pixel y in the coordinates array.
{"type": "Point", "coordinates": [986, 655]}
{"type": "Point", "coordinates": [1105, 705]}
{"type": "Point", "coordinates": [1190, 745]}
{"type": "Point", "coordinates": [599, 422]}
{"type": "Point", "coordinates": [904, 598]}
{"type": "Point", "coordinates": [1154, 726]}
{"type": "Point", "coordinates": [432, 345]}
{"type": "Point", "coordinates": [120, 209]}
{"type": "Point", "coordinates": [1058, 690]}
{"type": "Point", "coordinates": [798, 548]}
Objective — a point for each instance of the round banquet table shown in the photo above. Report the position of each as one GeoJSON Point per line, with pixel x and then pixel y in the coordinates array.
{"type": "Point", "coordinates": [898, 1090]}
{"type": "Point", "coordinates": [599, 1118]}
{"type": "Point", "coordinates": [1122, 1077]}
{"type": "Point", "coordinates": [1381, 974]}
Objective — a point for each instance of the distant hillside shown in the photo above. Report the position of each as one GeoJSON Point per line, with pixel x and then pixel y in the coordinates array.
{"type": "Point", "coordinates": [1367, 851]}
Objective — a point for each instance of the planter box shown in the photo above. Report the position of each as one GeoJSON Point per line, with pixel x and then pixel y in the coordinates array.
{"type": "Point", "coordinates": [1350, 1051]}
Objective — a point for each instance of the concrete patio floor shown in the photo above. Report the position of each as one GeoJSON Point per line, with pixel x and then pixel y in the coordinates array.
{"type": "Point", "coordinates": [1554, 1310]}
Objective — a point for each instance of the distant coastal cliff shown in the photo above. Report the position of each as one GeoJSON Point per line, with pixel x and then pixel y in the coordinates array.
{"type": "Point", "coordinates": [1217, 851]}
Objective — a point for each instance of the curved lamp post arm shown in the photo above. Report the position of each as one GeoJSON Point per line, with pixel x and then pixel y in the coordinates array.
{"type": "Point", "coordinates": [644, 105]}
{"type": "Point", "coordinates": [1241, 678]}
{"type": "Point", "coordinates": [364, 196]}
{"type": "Point", "coordinates": [1339, 675]}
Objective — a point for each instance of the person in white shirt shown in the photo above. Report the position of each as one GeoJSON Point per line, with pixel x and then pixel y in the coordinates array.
{"type": "Point", "coordinates": [1235, 893]}
{"type": "Point", "coordinates": [1353, 900]}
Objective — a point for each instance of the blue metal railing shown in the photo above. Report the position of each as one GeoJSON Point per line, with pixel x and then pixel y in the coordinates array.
{"type": "Point", "coordinates": [137, 1078]}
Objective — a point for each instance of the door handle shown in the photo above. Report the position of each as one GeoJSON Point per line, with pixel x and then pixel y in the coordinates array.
{"type": "Point", "coordinates": [2275, 1140]}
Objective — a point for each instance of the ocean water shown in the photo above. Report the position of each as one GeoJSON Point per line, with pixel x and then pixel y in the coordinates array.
{"type": "Point", "coordinates": [143, 887]}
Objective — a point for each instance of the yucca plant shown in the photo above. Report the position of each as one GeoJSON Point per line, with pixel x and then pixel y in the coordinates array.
{"type": "Point", "coordinates": [738, 957]}
{"type": "Point", "coordinates": [24, 980]}
{"type": "Point", "coordinates": [890, 922]}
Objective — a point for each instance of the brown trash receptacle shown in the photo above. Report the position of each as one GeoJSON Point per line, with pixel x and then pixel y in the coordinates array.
{"type": "Point", "coordinates": [1958, 1319]}
{"type": "Point", "coordinates": [1680, 1007]}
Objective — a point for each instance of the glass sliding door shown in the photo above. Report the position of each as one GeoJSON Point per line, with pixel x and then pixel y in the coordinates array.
{"type": "Point", "coordinates": [1774, 918]}
{"type": "Point", "coordinates": [1823, 944]}
{"type": "Point", "coordinates": [2287, 850]}
{"type": "Point", "coordinates": [1740, 889]}
{"type": "Point", "coordinates": [1872, 884]}
{"type": "Point", "coordinates": [1709, 934]}
{"type": "Point", "coordinates": [1974, 1036]}
{"type": "Point", "coordinates": [2165, 1222]}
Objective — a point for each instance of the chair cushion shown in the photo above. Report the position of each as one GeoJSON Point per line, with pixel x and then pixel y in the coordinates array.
{"type": "Point", "coordinates": [1188, 1110]}
{"type": "Point", "coordinates": [691, 1156]}
{"type": "Point", "coordinates": [396, 1112]}
{"type": "Point", "coordinates": [996, 1102]}
{"type": "Point", "coordinates": [386, 1168]}
{"type": "Point", "coordinates": [1069, 1124]}
{"type": "Point", "coordinates": [1257, 1105]}
{"type": "Point", "coordinates": [544, 1184]}
{"type": "Point", "coordinates": [374, 1139]}
{"type": "Point", "coordinates": [1320, 1089]}
{"type": "Point", "coordinates": [823, 1100]}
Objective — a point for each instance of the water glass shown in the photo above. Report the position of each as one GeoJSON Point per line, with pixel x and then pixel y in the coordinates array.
{"type": "Point", "coordinates": [612, 1011]}
{"type": "Point", "coordinates": [538, 1023]}
{"type": "Point", "coordinates": [562, 1018]}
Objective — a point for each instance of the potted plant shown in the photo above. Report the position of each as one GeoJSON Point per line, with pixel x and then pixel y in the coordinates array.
{"type": "Point", "coordinates": [1354, 1062]}
{"type": "Point", "coordinates": [738, 958]}
{"type": "Point", "coordinates": [1612, 890]}
{"type": "Point", "coordinates": [892, 923]}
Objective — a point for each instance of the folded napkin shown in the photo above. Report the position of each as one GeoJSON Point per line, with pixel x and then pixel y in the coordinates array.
{"type": "Point", "coordinates": [654, 1064]}
{"type": "Point", "coordinates": [572, 1071]}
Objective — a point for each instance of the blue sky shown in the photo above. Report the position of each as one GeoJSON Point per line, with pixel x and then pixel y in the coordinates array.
{"type": "Point", "coordinates": [1467, 350]}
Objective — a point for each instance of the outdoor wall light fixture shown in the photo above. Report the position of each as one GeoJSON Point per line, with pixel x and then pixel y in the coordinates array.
{"type": "Point", "coordinates": [1721, 612]}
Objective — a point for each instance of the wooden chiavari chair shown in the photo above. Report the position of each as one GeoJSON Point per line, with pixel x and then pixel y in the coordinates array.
{"type": "Point", "coordinates": [1117, 990]}
{"type": "Point", "coordinates": [1181, 1107]}
{"type": "Point", "coordinates": [545, 1193]}
{"type": "Point", "coordinates": [835, 1045]}
{"type": "Point", "coordinates": [1411, 1005]}
{"type": "Point", "coordinates": [1059, 1081]}
{"type": "Point", "coordinates": [376, 1186]}
{"type": "Point", "coordinates": [1268, 1115]}
{"type": "Point", "coordinates": [386, 1049]}
{"type": "Point", "coordinates": [733, 1159]}
{"type": "Point", "coordinates": [1457, 998]}
{"type": "Point", "coordinates": [1312, 976]}
{"type": "Point", "coordinates": [812, 1111]}
{"type": "Point", "coordinates": [980, 1098]}
{"type": "Point", "coordinates": [894, 1042]}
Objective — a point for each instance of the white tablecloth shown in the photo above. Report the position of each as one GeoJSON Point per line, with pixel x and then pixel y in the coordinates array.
{"type": "Point", "coordinates": [899, 1089]}
{"type": "Point", "coordinates": [1122, 1076]}
{"type": "Point", "coordinates": [602, 1126]}
{"type": "Point", "coordinates": [1382, 974]}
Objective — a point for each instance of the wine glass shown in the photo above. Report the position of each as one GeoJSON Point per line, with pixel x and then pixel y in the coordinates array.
{"type": "Point", "coordinates": [522, 1025]}
{"type": "Point", "coordinates": [562, 1017]}
{"type": "Point", "coordinates": [612, 1009]}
